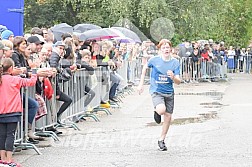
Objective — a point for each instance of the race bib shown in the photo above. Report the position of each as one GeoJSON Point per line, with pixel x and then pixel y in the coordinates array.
{"type": "Point", "coordinates": [161, 79]}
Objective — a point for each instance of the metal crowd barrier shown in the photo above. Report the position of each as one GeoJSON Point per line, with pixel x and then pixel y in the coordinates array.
{"type": "Point", "coordinates": [75, 88]}
{"type": "Point", "coordinates": [102, 89]}
{"type": "Point", "coordinates": [239, 63]}
{"type": "Point", "coordinates": [21, 137]}
{"type": "Point", "coordinates": [123, 73]}
{"type": "Point", "coordinates": [134, 70]}
{"type": "Point", "coordinates": [50, 119]}
{"type": "Point", "coordinates": [201, 70]}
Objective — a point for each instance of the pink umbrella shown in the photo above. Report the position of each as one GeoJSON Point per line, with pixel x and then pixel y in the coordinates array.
{"type": "Point", "coordinates": [100, 34]}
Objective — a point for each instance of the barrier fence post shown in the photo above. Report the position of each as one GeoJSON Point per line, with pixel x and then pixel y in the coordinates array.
{"type": "Point", "coordinates": [23, 142]}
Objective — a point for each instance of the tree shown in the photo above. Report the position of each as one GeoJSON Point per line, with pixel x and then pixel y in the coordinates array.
{"type": "Point", "coordinates": [227, 20]}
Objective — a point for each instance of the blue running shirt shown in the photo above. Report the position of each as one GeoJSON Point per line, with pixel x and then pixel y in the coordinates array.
{"type": "Point", "coordinates": [159, 80]}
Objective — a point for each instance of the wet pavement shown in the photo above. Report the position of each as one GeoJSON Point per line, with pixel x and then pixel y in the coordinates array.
{"type": "Point", "coordinates": [211, 126]}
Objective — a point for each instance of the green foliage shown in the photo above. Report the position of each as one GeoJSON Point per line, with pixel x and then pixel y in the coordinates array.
{"type": "Point", "coordinates": [227, 20]}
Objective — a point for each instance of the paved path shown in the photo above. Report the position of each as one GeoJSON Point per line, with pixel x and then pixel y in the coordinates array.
{"type": "Point", "coordinates": [211, 127]}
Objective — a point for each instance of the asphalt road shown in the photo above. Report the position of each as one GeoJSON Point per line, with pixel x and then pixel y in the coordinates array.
{"type": "Point", "coordinates": [212, 126]}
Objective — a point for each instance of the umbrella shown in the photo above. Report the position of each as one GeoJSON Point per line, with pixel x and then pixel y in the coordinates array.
{"type": "Point", "coordinates": [128, 33]}
{"type": "Point", "coordinates": [99, 34]}
{"type": "Point", "coordinates": [60, 29]}
{"type": "Point", "coordinates": [124, 40]}
{"type": "Point", "coordinates": [85, 27]}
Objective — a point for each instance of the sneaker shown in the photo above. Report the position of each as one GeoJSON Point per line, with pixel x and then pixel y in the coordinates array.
{"type": "Point", "coordinates": [33, 141]}
{"type": "Point", "coordinates": [89, 109]}
{"type": "Point", "coordinates": [113, 100]}
{"type": "Point", "coordinates": [103, 102]}
{"type": "Point", "coordinates": [106, 105]}
{"type": "Point", "coordinates": [3, 163]}
{"type": "Point", "coordinates": [162, 146]}
{"type": "Point", "coordinates": [13, 164]}
{"type": "Point", "coordinates": [53, 129]}
{"type": "Point", "coordinates": [157, 117]}
{"type": "Point", "coordinates": [75, 119]}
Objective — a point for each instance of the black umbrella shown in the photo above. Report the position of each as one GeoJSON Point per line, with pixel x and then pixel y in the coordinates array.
{"type": "Point", "coordinates": [85, 27]}
{"type": "Point", "coordinates": [60, 29]}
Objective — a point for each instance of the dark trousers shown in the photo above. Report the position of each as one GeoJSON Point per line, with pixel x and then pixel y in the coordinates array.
{"type": "Point", "coordinates": [67, 101]}
{"type": "Point", "coordinates": [7, 135]}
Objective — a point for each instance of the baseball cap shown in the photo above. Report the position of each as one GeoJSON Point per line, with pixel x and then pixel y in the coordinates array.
{"type": "Point", "coordinates": [34, 39]}
{"type": "Point", "coordinates": [59, 43]}
{"type": "Point", "coordinates": [6, 34]}
{"type": "Point", "coordinates": [2, 47]}
{"type": "Point", "coordinates": [40, 38]}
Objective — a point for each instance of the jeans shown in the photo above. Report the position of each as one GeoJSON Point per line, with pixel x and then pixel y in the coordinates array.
{"type": "Point", "coordinates": [115, 80]}
{"type": "Point", "coordinates": [128, 72]}
{"type": "Point", "coordinates": [67, 101]}
{"type": "Point", "coordinates": [7, 135]}
{"type": "Point", "coordinates": [112, 91]}
{"type": "Point", "coordinates": [32, 108]}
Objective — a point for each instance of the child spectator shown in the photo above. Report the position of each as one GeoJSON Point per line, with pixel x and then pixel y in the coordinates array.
{"type": "Point", "coordinates": [11, 107]}
{"type": "Point", "coordinates": [8, 48]}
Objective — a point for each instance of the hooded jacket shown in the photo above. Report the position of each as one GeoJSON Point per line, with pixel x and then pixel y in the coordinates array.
{"type": "Point", "coordinates": [10, 90]}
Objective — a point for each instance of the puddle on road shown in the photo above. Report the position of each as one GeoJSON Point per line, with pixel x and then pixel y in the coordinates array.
{"type": "Point", "coordinates": [212, 105]}
{"type": "Point", "coordinates": [182, 121]}
{"type": "Point", "coordinates": [214, 94]}
{"type": "Point", "coordinates": [201, 117]}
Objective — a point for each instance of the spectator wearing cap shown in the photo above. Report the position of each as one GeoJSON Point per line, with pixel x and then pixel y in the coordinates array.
{"type": "Point", "coordinates": [29, 59]}
{"type": "Point", "coordinates": [8, 35]}
{"type": "Point", "coordinates": [36, 45]}
{"type": "Point", "coordinates": [57, 54]}
{"type": "Point", "coordinates": [8, 48]}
